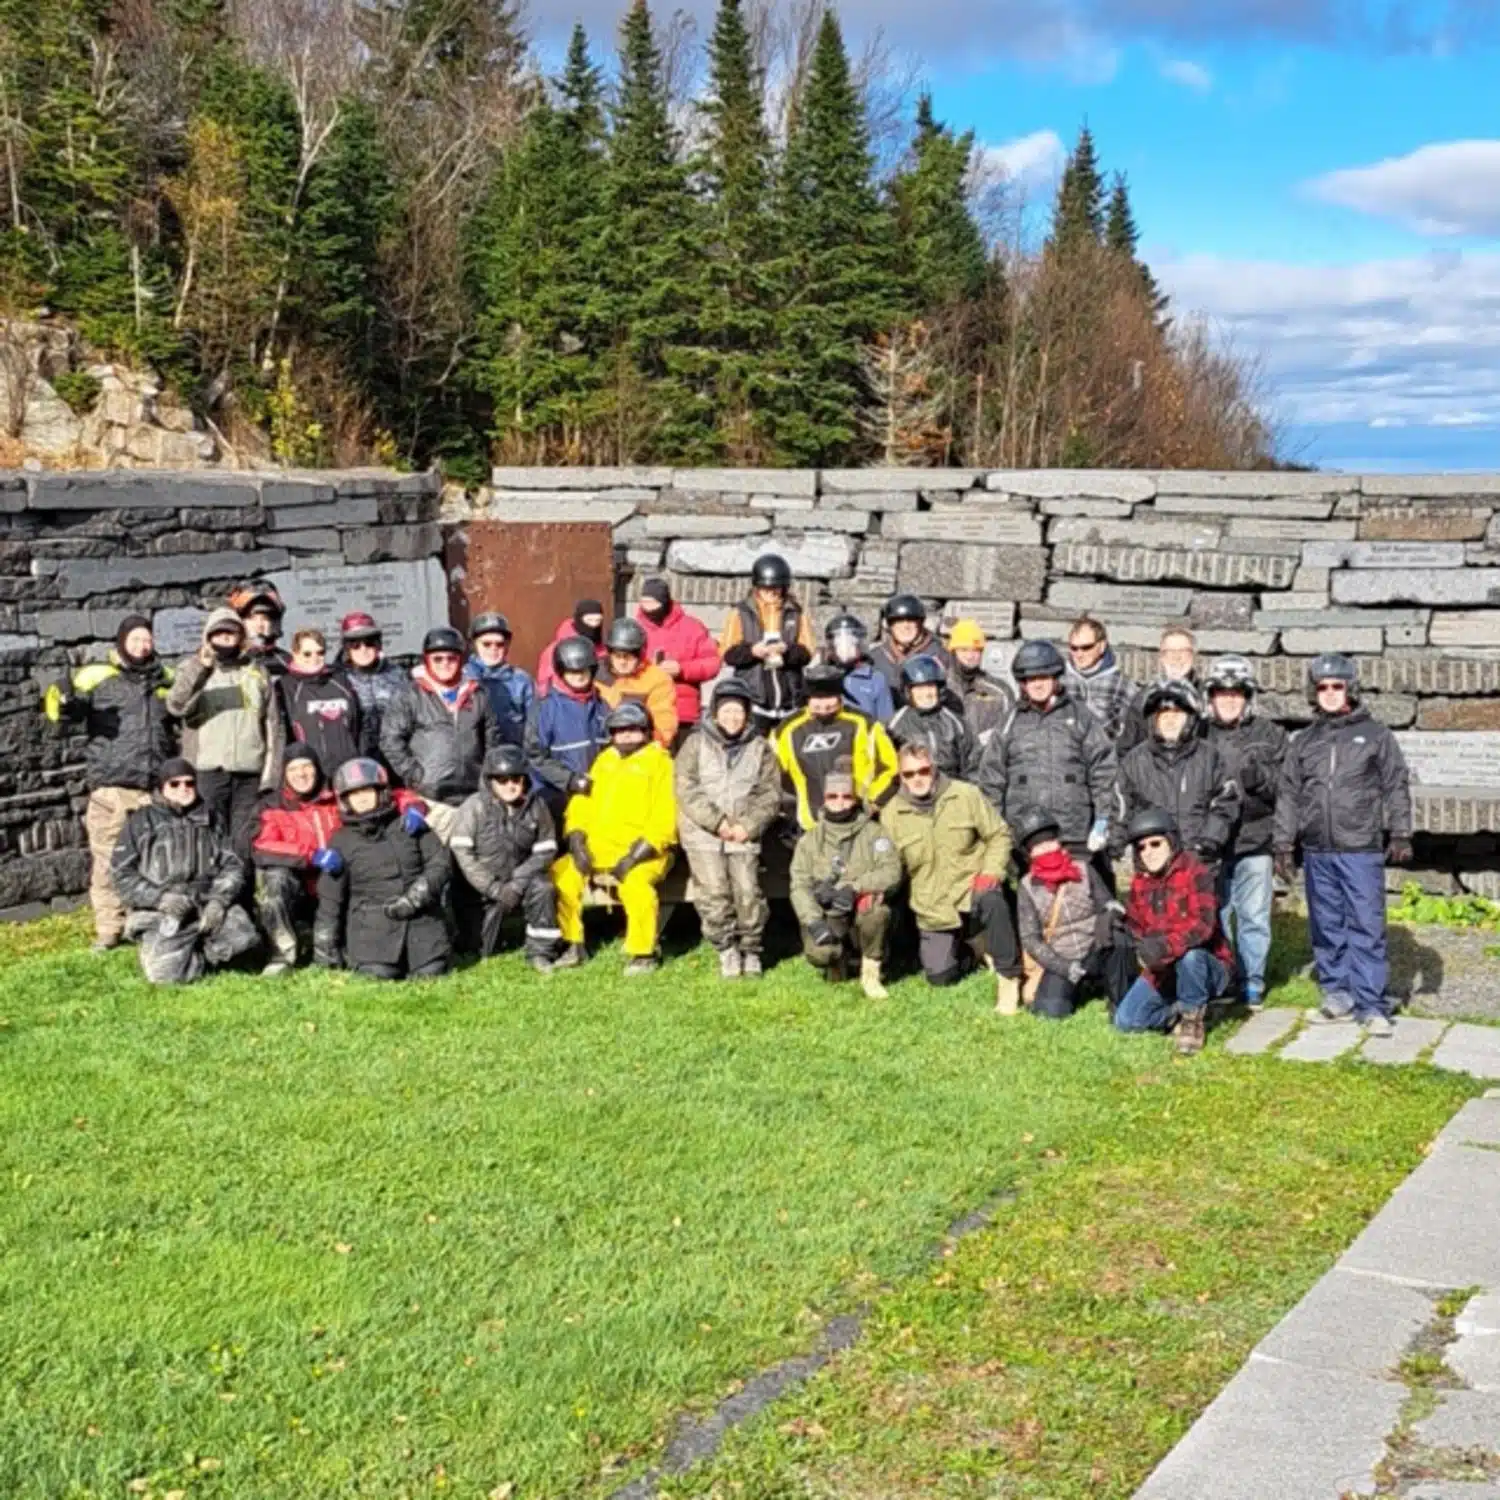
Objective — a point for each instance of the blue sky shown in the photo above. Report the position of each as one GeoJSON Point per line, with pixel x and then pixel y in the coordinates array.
{"type": "Point", "coordinates": [1318, 178]}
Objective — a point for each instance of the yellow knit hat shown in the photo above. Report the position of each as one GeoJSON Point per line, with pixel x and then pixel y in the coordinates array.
{"type": "Point", "coordinates": [965, 636]}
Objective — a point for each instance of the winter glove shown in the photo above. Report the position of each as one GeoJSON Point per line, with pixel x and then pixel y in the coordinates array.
{"type": "Point", "coordinates": [823, 893]}
{"type": "Point", "coordinates": [1209, 850]}
{"type": "Point", "coordinates": [1098, 835]}
{"type": "Point", "coordinates": [845, 898]}
{"type": "Point", "coordinates": [580, 786]}
{"type": "Point", "coordinates": [869, 901]}
{"type": "Point", "coordinates": [578, 848]}
{"type": "Point", "coordinates": [328, 862]}
{"type": "Point", "coordinates": [1398, 851]}
{"type": "Point", "coordinates": [1077, 973]}
{"type": "Point", "coordinates": [414, 821]}
{"type": "Point", "coordinates": [822, 935]}
{"type": "Point", "coordinates": [508, 896]}
{"type": "Point", "coordinates": [411, 901]}
{"type": "Point", "coordinates": [638, 853]}
{"type": "Point", "coordinates": [983, 884]}
{"type": "Point", "coordinates": [176, 904]}
{"type": "Point", "coordinates": [212, 918]}
{"type": "Point", "coordinates": [1286, 866]}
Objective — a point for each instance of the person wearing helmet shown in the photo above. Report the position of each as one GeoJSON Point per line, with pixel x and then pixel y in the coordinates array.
{"type": "Point", "coordinates": [622, 827]}
{"type": "Point", "coordinates": [1345, 798]}
{"type": "Point", "coordinates": [380, 907]}
{"type": "Point", "coordinates": [376, 680]}
{"type": "Point", "coordinates": [259, 605]}
{"type": "Point", "coordinates": [928, 716]}
{"type": "Point", "coordinates": [845, 875]}
{"type": "Point", "coordinates": [985, 701]}
{"type": "Point", "coordinates": [904, 618]}
{"type": "Point", "coordinates": [180, 880]}
{"type": "Point", "coordinates": [1176, 661]}
{"type": "Point", "coordinates": [1172, 917]}
{"type": "Point", "coordinates": [678, 643]}
{"type": "Point", "coordinates": [955, 851]}
{"type": "Point", "coordinates": [627, 677]}
{"type": "Point", "coordinates": [505, 844]}
{"type": "Point", "coordinates": [1069, 920]}
{"type": "Point", "coordinates": [297, 823]}
{"type": "Point", "coordinates": [728, 787]}
{"type": "Point", "coordinates": [1094, 677]}
{"type": "Point", "coordinates": [435, 736]}
{"type": "Point", "coordinates": [319, 703]}
{"type": "Point", "coordinates": [1252, 748]}
{"type": "Point", "coordinates": [846, 644]}
{"type": "Point", "coordinates": [509, 687]}
{"type": "Point", "coordinates": [565, 729]}
{"type": "Point", "coordinates": [232, 728]}
{"type": "Point", "coordinates": [1177, 769]}
{"type": "Point", "coordinates": [767, 641]}
{"type": "Point", "coordinates": [1052, 752]}
{"type": "Point", "coordinates": [825, 732]}
{"type": "Point", "coordinates": [585, 623]}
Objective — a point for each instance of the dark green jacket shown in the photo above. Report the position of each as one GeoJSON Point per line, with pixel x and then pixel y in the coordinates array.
{"type": "Point", "coordinates": [859, 854]}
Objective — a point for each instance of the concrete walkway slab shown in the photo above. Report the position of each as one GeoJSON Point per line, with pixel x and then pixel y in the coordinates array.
{"type": "Point", "coordinates": [1360, 1325]}
{"type": "Point", "coordinates": [1464, 1419]}
{"type": "Point", "coordinates": [1475, 1359]}
{"type": "Point", "coordinates": [1453, 1489]}
{"type": "Point", "coordinates": [1262, 1031]}
{"type": "Point", "coordinates": [1321, 1043]}
{"type": "Point", "coordinates": [1470, 1049]}
{"type": "Point", "coordinates": [1476, 1124]}
{"type": "Point", "coordinates": [1413, 1037]}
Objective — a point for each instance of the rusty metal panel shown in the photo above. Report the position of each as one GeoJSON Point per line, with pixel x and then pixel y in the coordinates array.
{"type": "Point", "coordinates": [531, 573]}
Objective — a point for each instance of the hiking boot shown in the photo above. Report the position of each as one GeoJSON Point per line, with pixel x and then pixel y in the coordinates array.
{"type": "Point", "coordinates": [275, 969]}
{"type": "Point", "coordinates": [572, 957]}
{"type": "Point", "coordinates": [869, 980]}
{"type": "Point", "coordinates": [1007, 995]}
{"type": "Point", "coordinates": [104, 944]}
{"type": "Point", "coordinates": [750, 965]}
{"type": "Point", "coordinates": [834, 973]}
{"type": "Point", "coordinates": [539, 963]}
{"type": "Point", "coordinates": [1378, 1025]}
{"type": "Point", "coordinates": [638, 968]}
{"type": "Point", "coordinates": [1192, 1029]}
{"type": "Point", "coordinates": [731, 966]}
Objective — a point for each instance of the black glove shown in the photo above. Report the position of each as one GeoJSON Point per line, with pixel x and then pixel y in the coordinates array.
{"type": "Point", "coordinates": [1398, 850]}
{"type": "Point", "coordinates": [410, 901]}
{"type": "Point", "coordinates": [823, 893]}
{"type": "Point", "coordinates": [1209, 850]}
{"type": "Point", "coordinates": [580, 786]}
{"type": "Point", "coordinates": [1286, 866]}
{"type": "Point", "coordinates": [845, 898]}
{"type": "Point", "coordinates": [578, 847]}
{"type": "Point", "coordinates": [176, 904]}
{"type": "Point", "coordinates": [638, 853]}
{"type": "Point", "coordinates": [822, 935]}
{"type": "Point", "coordinates": [212, 918]}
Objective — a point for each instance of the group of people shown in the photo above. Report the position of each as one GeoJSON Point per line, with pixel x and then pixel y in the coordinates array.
{"type": "Point", "coordinates": [253, 792]}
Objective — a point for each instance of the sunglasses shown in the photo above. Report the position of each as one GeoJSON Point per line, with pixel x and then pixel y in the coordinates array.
{"type": "Point", "coordinates": [509, 780]}
{"type": "Point", "coordinates": [1333, 687]}
{"type": "Point", "coordinates": [1079, 647]}
{"type": "Point", "coordinates": [177, 783]}
{"type": "Point", "coordinates": [925, 774]}
{"type": "Point", "coordinates": [1154, 843]}
{"type": "Point", "coordinates": [368, 643]}
{"type": "Point", "coordinates": [444, 656]}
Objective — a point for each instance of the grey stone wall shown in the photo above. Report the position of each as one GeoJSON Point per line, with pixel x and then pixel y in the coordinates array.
{"type": "Point", "coordinates": [79, 551]}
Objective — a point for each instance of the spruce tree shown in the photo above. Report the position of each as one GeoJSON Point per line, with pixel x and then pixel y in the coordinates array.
{"type": "Point", "coordinates": [1122, 236]}
{"type": "Point", "coordinates": [838, 283]}
{"type": "Point", "coordinates": [1078, 219]}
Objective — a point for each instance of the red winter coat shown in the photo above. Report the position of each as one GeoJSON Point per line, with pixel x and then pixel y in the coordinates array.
{"type": "Point", "coordinates": [291, 831]}
{"type": "Point", "coordinates": [683, 638]}
{"type": "Point", "coordinates": [545, 676]}
{"type": "Point", "coordinates": [1173, 912]}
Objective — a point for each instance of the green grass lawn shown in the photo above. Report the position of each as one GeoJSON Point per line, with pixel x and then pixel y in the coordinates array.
{"type": "Point", "coordinates": [486, 1237]}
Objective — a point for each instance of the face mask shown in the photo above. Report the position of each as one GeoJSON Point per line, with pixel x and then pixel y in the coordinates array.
{"type": "Point", "coordinates": [842, 814]}
{"type": "Point", "coordinates": [226, 654]}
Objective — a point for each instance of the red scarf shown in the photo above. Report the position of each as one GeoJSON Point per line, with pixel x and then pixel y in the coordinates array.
{"type": "Point", "coordinates": [1055, 869]}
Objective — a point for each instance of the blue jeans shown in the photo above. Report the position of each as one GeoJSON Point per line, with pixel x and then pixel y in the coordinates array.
{"type": "Point", "coordinates": [1199, 976]}
{"type": "Point", "coordinates": [1245, 893]}
{"type": "Point", "coordinates": [1346, 921]}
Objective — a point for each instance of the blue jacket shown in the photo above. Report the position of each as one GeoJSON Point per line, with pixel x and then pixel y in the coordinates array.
{"type": "Point", "coordinates": [869, 692]}
{"type": "Point", "coordinates": [564, 732]}
{"type": "Point", "coordinates": [511, 693]}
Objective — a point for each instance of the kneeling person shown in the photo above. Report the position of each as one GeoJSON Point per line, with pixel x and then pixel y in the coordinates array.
{"type": "Point", "coordinates": [844, 873]}
{"type": "Point", "coordinates": [505, 843]}
{"type": "Point", "coordinates": [179, 877]}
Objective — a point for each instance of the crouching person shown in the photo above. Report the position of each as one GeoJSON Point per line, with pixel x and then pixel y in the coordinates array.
{"type": "Point", "coordinates": [178, 875]}
{"type": "Point", "coordinates": [728, 788]}
{"type": "Point", "coordinates": [505, 843]}
{"type": "Point", "coordinates": [1173, 918]}
{"type": "Point", "coordinates": [1071, 939]}
{"type": "Point", "coordinates": [381, 912]}
{"type": "Point", "coordinates": [622, 827]}
{"type": "Point", "coordinates": [844, 873]}
{"type": "Point", "coordinates": [955, 851]}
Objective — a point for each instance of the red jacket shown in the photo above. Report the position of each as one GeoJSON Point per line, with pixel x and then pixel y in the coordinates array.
{"type": "Point", "coordinates": [545, 676]}
{"type": "Point", "coordinates": [683, 638]}
{"type": "Point", "coordinates": [291, 831]}
{"type": "Point", "coordinates": [1174, 912]}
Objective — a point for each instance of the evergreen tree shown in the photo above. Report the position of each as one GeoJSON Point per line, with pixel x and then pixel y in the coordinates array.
{"type": "Point", "coordinates": [837, 277]}
{"type": "Point", "coordinates": [1078, 219]}
{"type": "Point", "coordinates": [1122, 236]}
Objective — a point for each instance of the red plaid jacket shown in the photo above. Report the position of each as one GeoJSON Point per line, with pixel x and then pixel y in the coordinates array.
{"type": "Point", "coordinates": [1174, 912]}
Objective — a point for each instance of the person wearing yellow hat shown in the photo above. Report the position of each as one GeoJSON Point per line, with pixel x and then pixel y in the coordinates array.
{"type": "Point", "coordinates": [986, 701]}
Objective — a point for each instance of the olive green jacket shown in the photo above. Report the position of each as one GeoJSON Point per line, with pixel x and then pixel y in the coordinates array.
{"type": "Point", "coordinates": [858, 854]}
{"type": "Point", "coordinates": [944, 847]}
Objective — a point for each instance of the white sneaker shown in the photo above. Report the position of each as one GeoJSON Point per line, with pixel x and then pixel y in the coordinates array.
{"type": "Point", "coordinates": [750, 965]}
{"type": "Point", "coordinates": [1321, 1017]}
{"type": "Point", "coordinates": [1380, 1026]}
{"type": "Point", "coordinates": [730, 966]}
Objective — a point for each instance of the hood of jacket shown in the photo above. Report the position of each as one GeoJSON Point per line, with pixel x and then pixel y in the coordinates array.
{"type": "Point", "coordinates": [220, 619]}
{"type": "Point", "coordinates": [1101, 668]}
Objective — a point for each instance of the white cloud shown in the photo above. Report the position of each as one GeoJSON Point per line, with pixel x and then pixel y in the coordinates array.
{"type": "Point", "coordinates": [1028, 161]}
{"type": "Point", "coordinates": [1190, 75]}
{"type": "Point", "coordinates": [1448, 188]}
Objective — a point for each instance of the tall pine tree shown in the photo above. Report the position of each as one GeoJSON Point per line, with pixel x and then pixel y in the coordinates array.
{"type": "Point", "coordinates": [1122, 236]}
{"type": "Point", "coordinates": [1078, 220]}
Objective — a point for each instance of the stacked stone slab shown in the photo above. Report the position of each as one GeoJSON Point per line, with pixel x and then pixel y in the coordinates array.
{"type": "Point", "coordinates": [79, 551]}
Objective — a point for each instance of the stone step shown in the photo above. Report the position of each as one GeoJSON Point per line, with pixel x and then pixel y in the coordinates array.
{"type": "Point", "coordinates": [1470, 1049]}
{"type": "Point", "coordinates": [1413, 1037]}
{"type": "Point", "coordinates": [1321, 1043]}
{"type": "Point", "coordinates": [1261, 1032]}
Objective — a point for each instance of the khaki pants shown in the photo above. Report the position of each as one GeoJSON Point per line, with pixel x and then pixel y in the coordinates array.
{"type": "Point", "coordinates": [104, 822]}
{"type": "Point", "coordinates": [732, 908]}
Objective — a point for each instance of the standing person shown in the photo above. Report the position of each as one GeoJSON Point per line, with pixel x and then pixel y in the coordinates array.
{"type": "Point", "coordinates": [845, 874]}
{"type": "Point", "coordinates": [291, 849]}
{"type": "Point", "coordinates": [1175, 768]}
{"type": "Point", "coordinates": [375, 679]}
{"type": "Point", "coordinates": [986, 701]}
{"type": "Point", "coordinates": [1176, 661]}
{"type": "Point", "coordinates": [585, 623]}
{"type": "Point", "coordinates": [1173, 918]}
{"type": "Point", "coordinates": [1052, 752]}
{"type": "Point", "coordinates": [1252, 749]}
{"type": "Point", "coordinates": [1094, 677]}
{"type": "Point", "coordinates": [767, 640]}
{"type": "Point", "coordinates": [180, 879]}
{"type": "Point", "coordinates": [436, 734]}
{"type": "Point", "coordinates": [565, 731]}
{"type": "Point", "coordinates": [955, 850]}
{"type": "Point", "coordinates": [505, 844]}
{"type": "Point", "coordinates": [232, 729]}
{"type": "Point", "coordinates": [1069, 921]}
{"type": "Point", "coordinates": [122, 705]}
{"type": "Point", "coordinates": [728, 788]}
{"type": "Point", "coordinates": [906, 635]}
{"type": "Point", "coordinates": [928, 716]}
{"type": "Point", "coordinates": [319, 703]}
{"type": "Point", "coordinates": [259, 605]}
{"type": "Point", "coordinates": [509, 687]}
{"type": "Point", "coordinates": [825, 733]}
{"type": "Point", "coordinates": [846, 645]}
{"type": "Point", "coordinates": [622, 827]}
{"type": "Point", "coordinates": [627, 677]}
{"type": "Point", "coordinates": [681, 646]}
{"type": "Point", "coordinates": [1345, 798]}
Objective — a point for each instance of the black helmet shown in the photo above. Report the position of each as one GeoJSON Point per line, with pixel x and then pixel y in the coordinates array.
{"type": "Point", "coordinates": [904, 607]}
{"type": "Point", "coordinates": [574, 654]}
{"type": "Point", "coordinates": [1332, 666]}
{"type": "Point", "coordinates": [731, 690]}
{"type": "Point", "coordinates": [442, 638]}
{"type": "Point", "coordinates": [626, 635]}
{"type": "Point", "coordinates": [354, 775]}
{"type": "Point", "coordinates": [1232, 674]}
{"type": "Point", "coordinates": [492, 623]}
{"type": "Point", "coordinates": [1032, 822]}
{"type": "Point", "coordinates": [1037, 659]}
{"type": "Point", "coordinates": [1173, 692]}
{"type": "Point", "coordinates": [1151, 823]}
{"type": "Point", "coordinates": [505, 760]}
{"type": "Point", "coordinates": [771, 571]}
{"type": "Point", "coordinates": [629, 715]}
{"type": "Point", "coordinates": [824, 679]}
{"type": "Point", "coordinates": [922, 669]}
{"type": "Point", "coordinates": [846, 624]}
